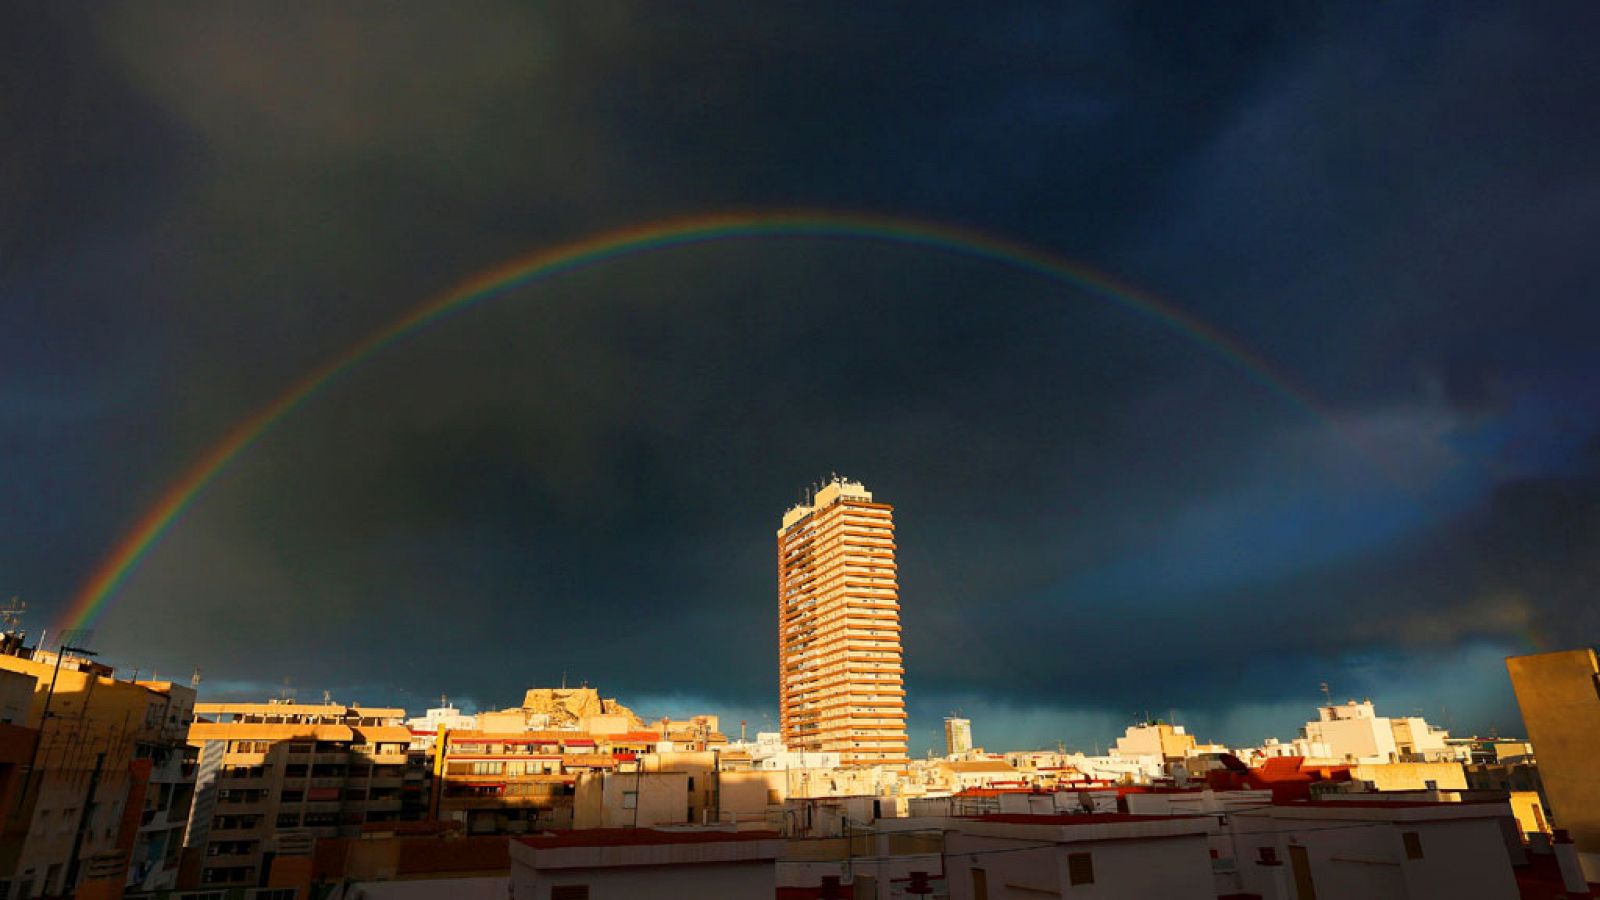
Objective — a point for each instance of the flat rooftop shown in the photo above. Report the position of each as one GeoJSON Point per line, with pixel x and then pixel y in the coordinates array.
{"type": "Point", "coordinates": [627, 837]}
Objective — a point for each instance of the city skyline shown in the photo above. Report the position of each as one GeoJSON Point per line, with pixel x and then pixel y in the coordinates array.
{"type": "Point", "coordinates": [1204, 362]}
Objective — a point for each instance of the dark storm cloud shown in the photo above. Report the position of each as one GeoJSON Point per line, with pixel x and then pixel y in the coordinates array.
{"type": "Point", "coordinates": [206, 201]}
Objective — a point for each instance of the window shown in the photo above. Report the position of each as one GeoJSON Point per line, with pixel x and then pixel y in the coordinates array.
{"type": "Point", "coordinates": [288, 820]}
{"type": "Point", "coordinates": [1080, 868]}
{"type": "Point", "coordinates": [569, 892]}
{"type": "Point", "coordinates": [630, 800]}
{"type": "Point", "coordinates": [691, 782]}
{"type": "Point", "coordinates": [1413, 843]}
{"type": "Point", "coordinates": [1300, 862]}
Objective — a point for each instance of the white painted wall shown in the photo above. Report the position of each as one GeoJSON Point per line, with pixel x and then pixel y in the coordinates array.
{"type": "Point", "coordinates": [1463, 859]}
{"type": "Point", "coordinates": [1171, 868]}
{"type": "Point", "coordinates": [725, 881]}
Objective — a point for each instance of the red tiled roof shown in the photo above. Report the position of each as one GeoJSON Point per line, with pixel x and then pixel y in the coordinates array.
{"type": "Point", "coordinates": [625, 837]}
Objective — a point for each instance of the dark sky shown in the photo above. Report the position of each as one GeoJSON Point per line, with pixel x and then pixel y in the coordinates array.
{"type": "Point", "coordinates": [1395, 204]}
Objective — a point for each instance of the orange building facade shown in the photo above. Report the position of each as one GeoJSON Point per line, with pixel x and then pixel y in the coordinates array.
{"type": "Point", "coordinates": [841, 681]}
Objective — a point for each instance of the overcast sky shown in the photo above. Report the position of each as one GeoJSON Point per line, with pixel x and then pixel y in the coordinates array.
{"type": "Point", "coordinates": [1393, 204]}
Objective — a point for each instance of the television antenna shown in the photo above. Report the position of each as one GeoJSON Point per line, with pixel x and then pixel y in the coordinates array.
{"type": "Point", "coordinates": [11, 613]}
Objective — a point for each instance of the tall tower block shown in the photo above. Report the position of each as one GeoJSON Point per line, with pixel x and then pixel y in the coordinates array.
{"type": "Point", "coordinates": [841, 682]}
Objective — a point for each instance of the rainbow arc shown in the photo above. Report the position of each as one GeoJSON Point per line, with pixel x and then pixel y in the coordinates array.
{"type": "Point", "coordinates": [552, 262]}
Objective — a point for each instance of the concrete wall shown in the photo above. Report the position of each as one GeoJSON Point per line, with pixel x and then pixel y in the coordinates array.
{"type": "Point", "coordinates": [1447, 776]}
{"type": "Point", "coordinates": [1561, 708]}
{"type": "Point", "coordinates": [428, 888]}
{"type": "Point", "coordinates": [599, 801]}
{"type": "Point", "coordinates": [1357, 739]}
{"type": "Point", "coordinates": [701, 768]}
{"type": "Point", "coordinates": [724, 881]}
{"type": "Point", "coordinates": [745, 795]}
{"type": "Point", "coordinates": [1530, 812]}
{"type": "Point", "coordinates": [16, 696]}
{"type": "Point", "coordinates": [1464, 858]}
{"type": "Point", "coordinates": [1176, 868]}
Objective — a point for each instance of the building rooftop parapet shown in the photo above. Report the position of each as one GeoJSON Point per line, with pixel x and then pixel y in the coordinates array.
{"type": "Point", "coordinates": [609, 847]}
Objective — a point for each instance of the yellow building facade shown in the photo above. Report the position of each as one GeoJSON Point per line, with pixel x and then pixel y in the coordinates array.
{"type": "Point", "coordinates": [104, 802]}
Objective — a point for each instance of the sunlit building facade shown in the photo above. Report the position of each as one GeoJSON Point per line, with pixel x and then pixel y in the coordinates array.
{"type": "Point", "coordinates": [1559, 695]}
{"type": "Point", "coordinates": [841, 680]}
{"type": "Point", "coordinates": [957, 735]}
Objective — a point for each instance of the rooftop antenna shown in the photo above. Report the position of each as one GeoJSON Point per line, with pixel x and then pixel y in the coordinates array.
{"type": "Point", "coordinates": [11, 613]}
{"type": "Point", "coordinates": [1327, 694]}
{"type": "Point", "coordinates": [563, 679]}
{"type": "Point", "coordinates": [286, 692]}
{"type": "Point", "coordinates": [327, 698]}
{"type": "Point", "coordinates": [194, 679]}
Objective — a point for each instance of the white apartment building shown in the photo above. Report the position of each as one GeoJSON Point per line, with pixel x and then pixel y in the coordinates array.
{"type": "Point", "coordinates": [1355, 733]}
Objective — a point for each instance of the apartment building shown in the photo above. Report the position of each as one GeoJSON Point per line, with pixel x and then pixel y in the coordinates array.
{"type": "Point", "coordinates": [957, 735]}
{"type": "Point", "coordinates": [104, 789]}
{"type": "Point", "coordinates": [275, 776]}
{"type": "Point", "coordinates": [514, 782]}
{"type": "Point", "coordinates": [841, 682]}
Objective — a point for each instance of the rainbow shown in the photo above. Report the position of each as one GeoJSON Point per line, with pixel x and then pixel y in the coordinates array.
{"type": "Point", "coordinates": [91, 598]}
